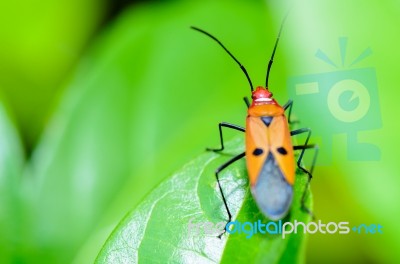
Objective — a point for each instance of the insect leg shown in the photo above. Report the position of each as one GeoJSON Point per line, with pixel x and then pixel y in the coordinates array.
{"type": "Point", "coordinates": [308, 172]}
{"type": "Point", "coordinates": [303, 148]}
{"type": "Point", "coordinates": [246, 100]}
{"type": "Point", "coordinates": [289, 105]}
{"type": "Point", "coordinates": [301, 131]}
{"type": "Point", "coordinates": [221, 125]}
{"type": "Point", "coordinates": [220, 168]}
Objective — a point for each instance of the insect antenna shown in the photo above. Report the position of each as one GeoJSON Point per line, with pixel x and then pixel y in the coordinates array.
{"type": "Point", "coordinates": [273, 52]}
{"type": "Point", "coordinates": [230, 54]}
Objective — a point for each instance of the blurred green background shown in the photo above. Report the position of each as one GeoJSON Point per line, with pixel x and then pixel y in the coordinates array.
{"type": "Point", "coordinates": [101, 100]}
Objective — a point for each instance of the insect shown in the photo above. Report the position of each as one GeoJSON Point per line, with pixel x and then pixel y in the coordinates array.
{"type": "Point", "coordinates": [269, 151]}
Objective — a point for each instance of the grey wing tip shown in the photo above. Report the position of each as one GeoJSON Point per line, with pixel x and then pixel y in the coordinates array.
{"type": "Point", "coordinates": [272, 193]}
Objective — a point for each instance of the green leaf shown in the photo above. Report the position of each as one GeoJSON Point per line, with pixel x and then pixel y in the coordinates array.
{"type": "Point", "coordinates": [158, 228]}
{"type": "Point", "coordinates": [11, 164]}
{"type": "Point", "coordinates": [40, 44]}
{"type": "Point", "coordinates": [129, 105]}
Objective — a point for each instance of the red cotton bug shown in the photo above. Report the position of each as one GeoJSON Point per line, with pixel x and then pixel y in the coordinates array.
{"type": "Point", "coordinates": [269, 151]}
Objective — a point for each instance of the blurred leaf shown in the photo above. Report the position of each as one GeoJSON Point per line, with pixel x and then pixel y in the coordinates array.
{"type": "Point", "coordinates": [11, 164]}
{"type": "Point", "coordinates": [128, 118]}
{"type": "Point", "coordinates": [158, 228]}
{"type": "Point", "coordinates": [40, 43]}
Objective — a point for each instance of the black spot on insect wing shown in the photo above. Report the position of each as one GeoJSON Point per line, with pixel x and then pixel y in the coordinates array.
{"type": "Point", "coordinates": [257, 152]}
{"type": "Point", "coordinates": [282, 150]}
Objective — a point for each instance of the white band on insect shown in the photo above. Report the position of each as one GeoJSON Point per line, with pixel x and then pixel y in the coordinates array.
{"type": "Point", "coordinates": [263, 100]}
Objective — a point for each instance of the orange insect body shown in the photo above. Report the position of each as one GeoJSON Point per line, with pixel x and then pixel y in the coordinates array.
{"type": "Point", "coordinates": [269, 152]}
